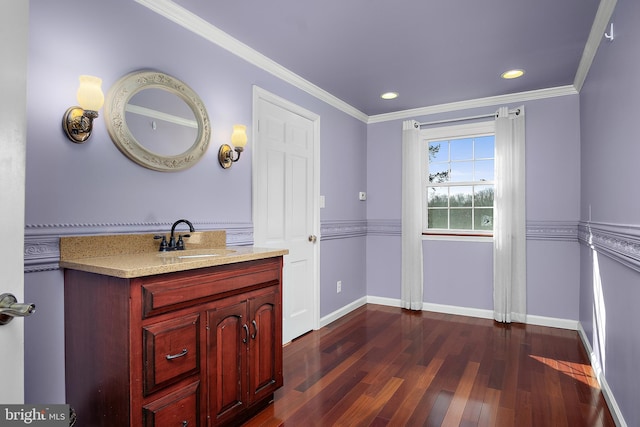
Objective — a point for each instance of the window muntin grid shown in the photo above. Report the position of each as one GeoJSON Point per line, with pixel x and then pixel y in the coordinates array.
{"type": "Point", "coordinates": [460, 185]}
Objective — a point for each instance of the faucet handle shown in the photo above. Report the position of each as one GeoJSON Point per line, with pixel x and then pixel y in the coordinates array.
{"type": "Point", "coordinates": [180, 244]}
{"type": "Point", "coordinates": [163, 243]}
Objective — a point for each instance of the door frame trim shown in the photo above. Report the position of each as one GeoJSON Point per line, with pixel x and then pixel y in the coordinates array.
{"type": "Point", "coordinates": [262, 94]}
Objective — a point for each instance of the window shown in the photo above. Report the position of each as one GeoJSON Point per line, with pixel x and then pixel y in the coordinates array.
{"type": "Point", "coordinates": [459, 179]}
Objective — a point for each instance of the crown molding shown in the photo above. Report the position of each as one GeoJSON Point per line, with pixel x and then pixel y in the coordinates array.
{"type": "Point", "coordinates": [603, 16]}
{"type": "Point", "coordinates": [476, 103]}
{"type": "Point", "coordinates": [204, 29]}
{"type": "Point", "coordinates": [199, 26]}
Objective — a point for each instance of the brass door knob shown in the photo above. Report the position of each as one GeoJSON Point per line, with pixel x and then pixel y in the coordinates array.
{"type": "Point", "coordinates": [312, 238]}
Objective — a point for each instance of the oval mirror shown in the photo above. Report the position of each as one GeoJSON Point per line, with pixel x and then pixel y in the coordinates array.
{"type": "Point", "coordinates": [157, 121]}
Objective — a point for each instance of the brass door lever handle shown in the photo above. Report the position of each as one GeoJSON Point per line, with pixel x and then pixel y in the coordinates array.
{"type": "Point", "coordinates": [10, 308]}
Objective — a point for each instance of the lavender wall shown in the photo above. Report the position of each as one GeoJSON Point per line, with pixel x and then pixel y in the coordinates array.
{"type": "Point", "coordinates": [384, 191]}
{"type": "Point", "coordinates": [343, 219]}
{"type": "Point", "coordinates": [339, 257]}
{"type": "Point", "coordinates": [553, 206]}
{"type": "Point", "coordinates": [610, 210]}
{"type": "Point", "coordinates": [93, 188]}
{"type": "Point", "coordinates": [458, 273]}
{"type": "Point", "coordinates": [84, 180]}
{"type": "Point", "coordinates": [553, 197]}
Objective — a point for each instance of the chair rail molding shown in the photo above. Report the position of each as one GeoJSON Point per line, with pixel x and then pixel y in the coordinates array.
{"type": "Point", "coordinates": [553, 230]}
{"type": "Point", "coordinates": [342, 229]}
{"type": "Point", "coordinates": [41, 241]}
{"type": "Point", "coordinates": [384, 227]}
{"type": "Point", "coordinates": [617, 241]}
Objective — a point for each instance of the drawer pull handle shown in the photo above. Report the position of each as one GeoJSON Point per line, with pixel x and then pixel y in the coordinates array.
{"type": "Point", "coordinates": [175, 356]}
{"type": "Point", "coordinates": [185, 423]}
{"type": "Point", "coordinates": [246, 330]}
{"type": "Point", "coordinates": [255, 328]}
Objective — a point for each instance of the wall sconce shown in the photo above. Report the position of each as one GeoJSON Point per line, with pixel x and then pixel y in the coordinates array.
{"type": "Point", "coordinates": [239, 140]}
{"type": "Point", "coordinates": [78, 121]}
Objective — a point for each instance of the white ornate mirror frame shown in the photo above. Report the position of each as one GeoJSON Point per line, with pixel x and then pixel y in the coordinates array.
{"type": "Point", "coordinates": [114, 113]}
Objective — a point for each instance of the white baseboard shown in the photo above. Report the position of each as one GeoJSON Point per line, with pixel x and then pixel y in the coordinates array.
{"type": "Point", "coordinates": [552, 322]}
{"type": "Point", "coordinates": [604, 386]}
{"type": "Point", "coordinates": [478, 312]}
{"type": "Point", "coordinates": [460, 311]}
{"type": "Point", "coordinates": [324, 321]}
{"type": "Point", "coordinates": [389, 302]}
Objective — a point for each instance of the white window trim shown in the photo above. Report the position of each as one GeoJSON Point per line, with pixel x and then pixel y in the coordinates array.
{"type": "Point", "coordinates": [455, 238]}
{"type": "Point", "coordinates": [450, 132]}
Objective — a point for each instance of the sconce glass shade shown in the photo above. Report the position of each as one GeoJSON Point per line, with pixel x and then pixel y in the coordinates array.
{"type": "Point", "coordinates": [239, 139]}
{"type": "Point", "coordinates": [90, 96]}
{"type": "Point", "coordinates": [77, 122]}
{"type": "Point", "coordinates": [239, 136]}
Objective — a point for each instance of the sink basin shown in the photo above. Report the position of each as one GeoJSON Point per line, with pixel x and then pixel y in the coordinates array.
{"type": "Point", "coordinates": [196, 256]}
{"type": "Point", "coordinates": [196, 253]}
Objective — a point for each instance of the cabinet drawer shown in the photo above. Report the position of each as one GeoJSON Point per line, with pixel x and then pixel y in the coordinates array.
{"type": "Point", "coordinates": [171, 351]}
{"type": "Point", "coordinates": [180, 408]}
{"type": "Point", "coordinates": [160, 295]}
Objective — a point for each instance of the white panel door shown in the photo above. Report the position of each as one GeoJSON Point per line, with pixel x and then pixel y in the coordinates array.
{"type": "Point", "coordinates": [14, 24]}
{"type": "Point", "coordinates": [285, 209]}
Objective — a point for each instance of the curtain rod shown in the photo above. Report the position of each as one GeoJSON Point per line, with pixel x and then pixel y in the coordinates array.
{"type": "Point", "coordinates": [462, 119]}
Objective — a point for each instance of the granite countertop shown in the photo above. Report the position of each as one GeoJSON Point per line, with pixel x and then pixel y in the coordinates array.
{"type": "Point", "coordinates": [136, 255]}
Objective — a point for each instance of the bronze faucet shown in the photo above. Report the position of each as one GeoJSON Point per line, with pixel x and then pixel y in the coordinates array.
{"type": "Point", "coordinates": [173, 245]}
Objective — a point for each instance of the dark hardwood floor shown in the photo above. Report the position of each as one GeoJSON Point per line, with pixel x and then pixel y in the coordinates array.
{"type": "Point", "coordinates": [384, 366]}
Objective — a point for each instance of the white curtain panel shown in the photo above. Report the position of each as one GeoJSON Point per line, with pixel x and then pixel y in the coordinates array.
{"type": "Point", "coordinates": [509, 233]}
{"type": "Point", "coordinates": [411, 295]}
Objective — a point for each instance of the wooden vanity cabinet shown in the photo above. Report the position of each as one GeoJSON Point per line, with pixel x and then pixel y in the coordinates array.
{"type": "Point", "coordinates": [193, 348]}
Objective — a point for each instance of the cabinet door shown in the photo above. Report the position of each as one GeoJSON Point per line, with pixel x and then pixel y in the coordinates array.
{"type": "Point", "coordinates": [265, 347]}
{"type": "Point", "coordinates": [227, 360]}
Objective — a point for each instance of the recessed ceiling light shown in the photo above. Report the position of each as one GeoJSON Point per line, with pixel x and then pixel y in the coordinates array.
{"type": "Point", "coordinates": [512, 74]}
{"type": "Point", "coordinates": [389, 95]}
